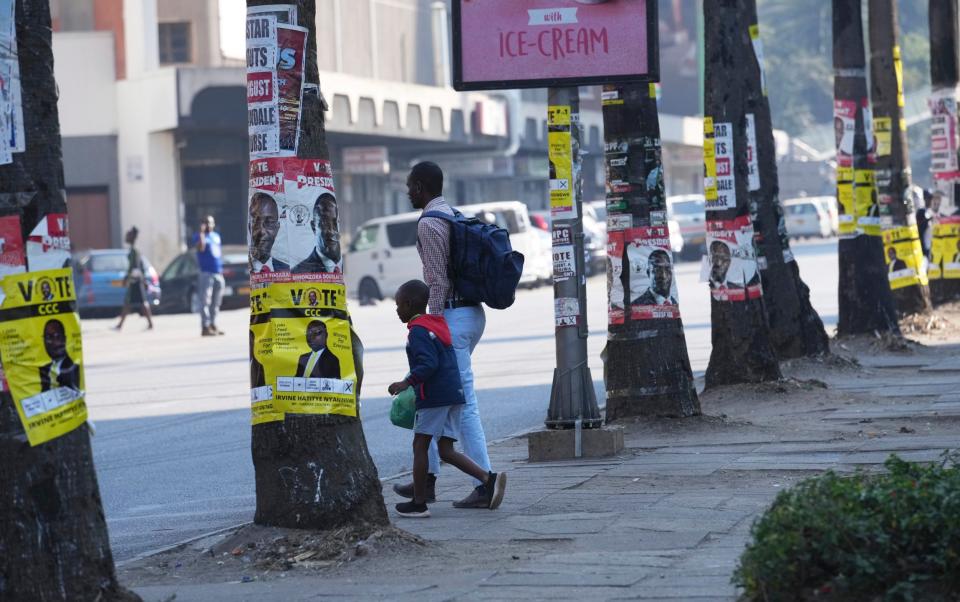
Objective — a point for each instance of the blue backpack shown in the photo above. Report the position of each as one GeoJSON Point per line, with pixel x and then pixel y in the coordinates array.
{"type": "Point", "coordinates": [483, 266]}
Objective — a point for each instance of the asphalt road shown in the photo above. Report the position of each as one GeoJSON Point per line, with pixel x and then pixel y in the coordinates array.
{"type": "Point", "coordinates": [171, 413]}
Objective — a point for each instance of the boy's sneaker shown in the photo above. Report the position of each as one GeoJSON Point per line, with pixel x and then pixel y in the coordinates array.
{"type": "Point", "coordinates": [478, 498]}
{"type": "Point", "coordinates": [412, 510]}
{"type": "Point", "coordinates": [407, 489]}
{"type": "Point", "coordinates": [495, 486]}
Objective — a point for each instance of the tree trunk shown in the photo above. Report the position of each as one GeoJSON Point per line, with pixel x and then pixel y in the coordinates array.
{"type": "Point", "coordinates": [53, 536]}
{"type": "Point", "coordinates": [742, 350]}
{"type": "Point", "coordinates": [897, 210]}
{"type": "Point", "coordinates": [944, 77]}
{"type": "Point", "coordinates": [795, 327]}
{"type": "Point", "coordinates": [647, 368]}
{"type": "Point", "coordinates": [866, 303]}
{"type": "Point", "coordinates": [313, 470]}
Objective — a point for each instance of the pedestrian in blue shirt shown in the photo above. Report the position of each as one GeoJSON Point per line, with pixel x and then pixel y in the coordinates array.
{"type": "Point", "coordinates": [435, 378]}
{"type": "Point", "coordinates": [210, 280]}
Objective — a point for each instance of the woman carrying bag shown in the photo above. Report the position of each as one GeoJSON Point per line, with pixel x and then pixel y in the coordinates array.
{"type": "Point", "coordinates": [135, 281]}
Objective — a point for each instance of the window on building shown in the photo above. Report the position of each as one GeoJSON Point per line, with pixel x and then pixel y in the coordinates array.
{"type": "Point", "coordinates": [174, 39]}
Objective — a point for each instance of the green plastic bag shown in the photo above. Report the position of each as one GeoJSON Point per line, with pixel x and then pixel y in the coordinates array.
{"type": "Point", "coordinates": [404, 408]}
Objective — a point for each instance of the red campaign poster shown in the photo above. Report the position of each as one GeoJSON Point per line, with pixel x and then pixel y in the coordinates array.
{"type": "Point", "coordinates": [844, 127]}
{"type": "Point", "coordinates": [13, 259]}
{"type": "Point", "coordinates": [293, 221]}
{"type": "Point", "coordinates": [731, 264]}
{"type": "Point", "coordinates": [615, 310]}
{"type": "Point", "coordinates": [291, 48]}
{"type": "Point", "coordinates": [48, 246]}
{"type": "Point", "coordinates": [653, 287]}
{"type": "Point", "coordinates": [260, 87]}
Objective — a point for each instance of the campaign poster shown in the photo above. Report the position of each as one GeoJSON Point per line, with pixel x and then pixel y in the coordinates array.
{"type": "Point", "coordinates": [709, 162]}
{"type": "Point", "coordinates": [618, 168]}
{"type": "Point", "coordinates": [293, 221]}
{"type": "Point", "coordinates": [263, 119]}
{"type": "Point", "coordinates": [945, 252]}
{"type": "Point", "coordinates": [731, 264]}
{"type": "Point", "coordinates": [904, 257]}
{"type": "Point", "coordinates": [12, 139]}
{"type": "Point", "coordinates": [262, 406]}
{"type": "Point", "coordinates": [615, 296]}
{"type": "Point", "coordinates": [283, 13]}
{"type": "Point", "coordinates": [310, 359]}
{"type": "Point", "coordinates": [13, 259]}
{"type": "Point", "coordinates": [653, 286]}
{"type": "Point", "coordinates": [48, 246]}
{"type": "Point", "coordinates": [41, 352]}
{"type": "Point", "coordinates": [844, 129]}
{"type": "Point", "coordinates": [868, 207]}
{"type": "Point", "coordinates": [560, 155]}
{"type": "Point", "coordinates": [291, 55]}
{"type": "Point", "coordinates": [566, 311]}
{"type": "Point", "coordinates": [943, 134]}
{"type": "Point", "coordinates": [564, 259]}
{"type": "Point", "coordinates": [757, 42]}
{"type": "Point", "coordinates": [846, 207]}
{"type": "Point", "coordinates": [883, 133]}
{"type": "Point", "coordinates": [722, 169]}
{"type": "Point", "coordinates": [868, 130]}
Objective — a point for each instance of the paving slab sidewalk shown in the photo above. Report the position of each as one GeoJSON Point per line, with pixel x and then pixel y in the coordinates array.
{"type": "Point", "coordinates": [666, 519]}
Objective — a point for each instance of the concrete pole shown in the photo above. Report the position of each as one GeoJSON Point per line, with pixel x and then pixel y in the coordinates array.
{"type": "Point", "coordinates": [573, 401]}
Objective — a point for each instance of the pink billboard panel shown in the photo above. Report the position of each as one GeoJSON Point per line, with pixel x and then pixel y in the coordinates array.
{"type": "Point", "coordinates": [538, 43]}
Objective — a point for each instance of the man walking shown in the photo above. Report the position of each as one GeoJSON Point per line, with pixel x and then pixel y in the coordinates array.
{"type": "Point", "coordinates": [210, 280]}
{"type": "Point", "coordinates": [465, 319]}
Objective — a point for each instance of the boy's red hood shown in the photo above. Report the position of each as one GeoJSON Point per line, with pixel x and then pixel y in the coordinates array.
{"type": "Point", "coordinates": [435, 324]}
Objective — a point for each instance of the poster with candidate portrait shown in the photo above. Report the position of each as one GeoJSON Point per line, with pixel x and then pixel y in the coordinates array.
{"type": "Point", "coordinates": [615, 295]}
{"type": "Point", "coordinates": [844, 129]}
{"type": "Point", "coordinates": [653, 287]}
{"type": "Point", "coordinates": [945, 252]}
{"type": "Point", "coordinates": [41, 352]}
{"type": "Point", "coordinates": [904, 257]}
{"type": "Point", "coordinates": [730, 266]}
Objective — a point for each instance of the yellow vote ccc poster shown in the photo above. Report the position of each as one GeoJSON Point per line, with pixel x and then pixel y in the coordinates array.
{"type": "Point", "coordinates": [263, 408]}
{"type": "Point", "coordinates": [904, 257]}
{"type": "Point", "coordinates": [310, 360]}
{"type": "Point", "coordinates": [41, 352]}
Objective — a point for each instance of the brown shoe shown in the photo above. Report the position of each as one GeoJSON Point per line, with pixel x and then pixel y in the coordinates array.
{"type": "Point", "coordinates": [215, 330]}
{"type": "Point", "coordinates": [208, 332]}
{"type": "Point", "coordinates": [478, 498]}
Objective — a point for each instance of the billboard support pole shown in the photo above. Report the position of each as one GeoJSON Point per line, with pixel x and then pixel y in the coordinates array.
{"type": "Point", "coordinates": [573, 400]}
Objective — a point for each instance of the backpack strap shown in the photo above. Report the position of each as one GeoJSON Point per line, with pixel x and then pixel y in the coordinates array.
{"type": "Point", "coordinates": [441, 215]}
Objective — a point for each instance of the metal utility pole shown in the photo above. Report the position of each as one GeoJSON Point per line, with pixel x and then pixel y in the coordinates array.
{"type": "Point", "coordinates": [795, 327]}
{"type": "Point", "coordinates": [53, 536]}
{"type": "Point", "coordinates": [866, 303]}
{"type": "Point", "coordinates": [573, 401]}
{"type": "Point", "coordinates": [313, 470]}
{"type": "Point", "coordinates": [901, 238]}
{"type": "Point", "coordinates": [647, 371]}
{"type": "Point", "coordinates": [742, 350]}
{"type": "Point", "coordinates": [944, 77]}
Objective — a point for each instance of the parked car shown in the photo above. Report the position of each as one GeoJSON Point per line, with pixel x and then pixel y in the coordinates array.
{"type": "Point", "coordinates": [99, 280]}
{"type": "Point", "coordinates": [688, 210]}
{"type": "Point", "coordinates": [383, 254]}
{"type": "Point", "coordinates": [829, 203]}
{"type": "Point", "coordinates": [807, 217]}
{"type": "Point", "coordinates": [179, 281]}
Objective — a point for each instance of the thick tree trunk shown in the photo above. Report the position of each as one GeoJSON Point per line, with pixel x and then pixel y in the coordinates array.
{"type": "Point", "coordinates": [866, 304]}
{"type": "Point", "coordinates": [944, 77]}
{"type": "Point", "coordinates": [314, 470]}
{"type": "Point", "coordinates": [647, 368]}
{"type": "Point", "coordinates": [742, 350]}
{"type": "Point", "coordinates": [53, 536]}
{"type": "Point", "coordinates": [897, 210]}
{"type": "Point", "coordinates": [795, 327]}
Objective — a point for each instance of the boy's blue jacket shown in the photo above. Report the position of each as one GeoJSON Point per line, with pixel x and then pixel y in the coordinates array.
{"type": "Point", "coordinates": [434, 374]}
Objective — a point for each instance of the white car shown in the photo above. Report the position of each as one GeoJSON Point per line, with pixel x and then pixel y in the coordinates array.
{"type": "Point", "coordinates": [807, 217]}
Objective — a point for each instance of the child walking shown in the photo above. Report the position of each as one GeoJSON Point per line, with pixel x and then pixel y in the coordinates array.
{"type": "Point", "coordinates": [435, 378]}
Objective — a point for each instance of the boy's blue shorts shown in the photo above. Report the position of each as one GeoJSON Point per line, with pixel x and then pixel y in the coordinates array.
{"type": "Point", "coordinates": [439, 422]}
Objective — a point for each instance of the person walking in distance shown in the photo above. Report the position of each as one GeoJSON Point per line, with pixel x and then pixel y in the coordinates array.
{"type": "Point", "coordinates": [210, 279]}
{"type": "Point", "coordinates": [135, 279]}
{"type": "Point", "coordinates": [466, 321]}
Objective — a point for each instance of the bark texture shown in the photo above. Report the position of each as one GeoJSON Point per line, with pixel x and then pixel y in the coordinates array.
{"type": "Point", "coordinates": [647, 367]}
{"type": "Point", "coordinates": [742, 350]}
{"type": "Point", "coordinates": [314, 471]}
{"type": "Point", "coordinates": [897, 209]}
{"type": "Point", "coordinates": [53, 536]}
{"type": "Point", "coordinates": [796, 329]}
{"type": "Point", "coordinates": [866, 303]}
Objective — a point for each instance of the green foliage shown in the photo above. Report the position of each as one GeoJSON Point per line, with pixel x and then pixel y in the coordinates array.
{"type": "Point", "coordinates": [893, 536]}
{"type": "Point", "coordinates": [797, 38]}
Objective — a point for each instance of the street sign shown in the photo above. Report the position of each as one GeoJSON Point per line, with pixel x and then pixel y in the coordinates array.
{"type": "Point", "coordinates": [553, 43]}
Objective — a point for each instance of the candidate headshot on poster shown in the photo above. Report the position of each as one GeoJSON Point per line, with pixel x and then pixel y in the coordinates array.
{"type": "Point", "coordinates": [660, 285]}
{"type": "Point", "coordinates": [46, 289]}
{"type": "Point", "coordinates": [263, 227]}
{"type": "Point", "coordinates": [720, 259]}
{"type": "Point", "coordinates": [61, 371]}
{"type": "Point", "coordinates": [324, 222]}
{"type": "Point", "coordinates": [319, 362]}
